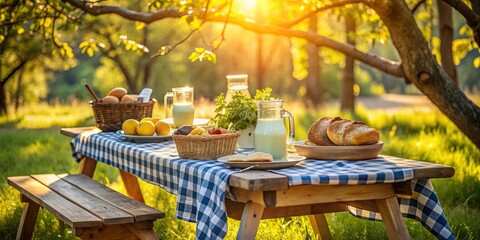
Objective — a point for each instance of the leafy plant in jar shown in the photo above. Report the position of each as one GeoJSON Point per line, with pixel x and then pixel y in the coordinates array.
{"type": "Point", "coordinates": [241, 112]}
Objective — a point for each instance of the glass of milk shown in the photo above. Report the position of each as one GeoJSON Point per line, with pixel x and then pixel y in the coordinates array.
{"type": "Point", "coordinates": [270, 132]}
{"type": "Point", "coordinates": [183, 109]}
{"type": "Point", "coordinates": [236, 83]}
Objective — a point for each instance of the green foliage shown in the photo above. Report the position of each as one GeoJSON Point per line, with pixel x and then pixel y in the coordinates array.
{"type": "Point", "coordinates": [201, 54]}
{"type": "Point", "coordinates": [241, 112]}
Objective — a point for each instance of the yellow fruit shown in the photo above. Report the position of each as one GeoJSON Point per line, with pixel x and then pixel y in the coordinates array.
{"type": "Point", "coordinates": [110, 99]}
{"type": "Point", "coordinates": [156, 119]}
{"type": "Point", "coordinates": [145, 119]}
{"type": "Point", "coordinates": [197, 131]}
{"type": "Point", "coordinates": [118, 92]}
{"type": "Point", "coordinates": [162, 128]}
{"type": "Point", "coordinates": [129, 127]}
{"type": "Point", "coordinates": [146, 128]}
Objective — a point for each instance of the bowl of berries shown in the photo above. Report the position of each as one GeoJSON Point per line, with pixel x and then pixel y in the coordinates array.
{"type": "Point", "coordinates": [204, 143]}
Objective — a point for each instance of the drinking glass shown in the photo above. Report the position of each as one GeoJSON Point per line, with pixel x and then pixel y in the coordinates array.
{"type": "Point", "coordinates": [183, 108]}
{"type": "Point", "coordinates": [236, 83]}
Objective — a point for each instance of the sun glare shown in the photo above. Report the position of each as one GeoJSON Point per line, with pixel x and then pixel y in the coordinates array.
{"type": "Point", "coordinates": [247, 5]}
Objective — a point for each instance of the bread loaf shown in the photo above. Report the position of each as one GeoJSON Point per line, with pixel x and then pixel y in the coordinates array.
{"type": "Point", "coordinates": [317, 134]}
{"type": "Point", "coordinates": [352, 133]}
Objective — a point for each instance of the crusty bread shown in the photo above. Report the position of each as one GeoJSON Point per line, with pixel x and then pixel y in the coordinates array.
{"type": "Point", "coordinates": [317, 134]}
{"type": "Point", "coordinates": [352, 133]}
{"type": "Point", "coordinates": [250, 157]}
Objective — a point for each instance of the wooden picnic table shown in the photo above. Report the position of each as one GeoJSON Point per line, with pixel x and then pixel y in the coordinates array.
{"type": "Point", "coordinates": [254, 195]}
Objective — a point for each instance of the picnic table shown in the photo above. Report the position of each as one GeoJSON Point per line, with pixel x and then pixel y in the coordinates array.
{"type": "Point", "coordinates": [385, 188]}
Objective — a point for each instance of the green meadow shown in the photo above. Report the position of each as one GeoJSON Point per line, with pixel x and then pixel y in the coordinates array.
{"type": "Point", "coordinates": [31, 143]}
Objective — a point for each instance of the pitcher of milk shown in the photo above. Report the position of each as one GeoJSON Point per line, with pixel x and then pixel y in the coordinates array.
{"type": "Point", "coordinates": [270, 132]}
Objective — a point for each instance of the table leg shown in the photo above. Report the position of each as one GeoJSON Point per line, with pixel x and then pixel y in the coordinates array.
{"type": "Point", "coordinates": [320, 226]}
{"type": "Point", "coordinates": [132, 186]}
{"type": "Point", "coordinates": [392, 218]}
{"type": "Point", "coordinates": [88, 166]}
{"type": "Point", "coordinates": [252, 213]}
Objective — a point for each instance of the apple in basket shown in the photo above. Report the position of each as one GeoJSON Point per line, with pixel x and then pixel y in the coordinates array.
{"type": "Point", "coordinates": [192, 130]}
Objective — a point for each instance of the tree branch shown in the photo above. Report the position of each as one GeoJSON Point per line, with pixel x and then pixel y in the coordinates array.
{"type": "Point", "coordinates": [473, 20]}
{"type": "Point", "coordinates": [417, 5]}
{"type": "Point", "coordinates": [22, 63]}
{"type": "Point", "coordinates": [321, 9]}
{"type": "Point", "coordinates": [383, 64]}
{"type": "Point", "coordinates": [96, 9]}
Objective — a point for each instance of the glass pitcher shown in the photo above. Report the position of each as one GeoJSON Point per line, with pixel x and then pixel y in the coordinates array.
{"type": "Point", "coordinates": [270, 132]}
{"type": "Point", "coordinates": [236, 83]}
{"type": "Point", "coordinates": [183, 109]}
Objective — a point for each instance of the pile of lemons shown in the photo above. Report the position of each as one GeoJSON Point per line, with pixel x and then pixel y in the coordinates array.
{"type": "Point", "coordinates": [146, 127]}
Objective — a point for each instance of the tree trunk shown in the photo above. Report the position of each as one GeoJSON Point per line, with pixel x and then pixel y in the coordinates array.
{"type": "Point", "coordinates": [445, 30]}
{"type": "Point", "coordinates": [314, 80]}
{"type": "Point", "coordinates": [347, 97]}
{"type": "Point", "coordinates": [421, 68]}
{"type": "Point", "coordinates": [3, 99]}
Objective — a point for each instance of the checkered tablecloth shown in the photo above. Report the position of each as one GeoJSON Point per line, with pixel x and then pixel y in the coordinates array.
{"type": "Point", "coordinates": [201, 185]}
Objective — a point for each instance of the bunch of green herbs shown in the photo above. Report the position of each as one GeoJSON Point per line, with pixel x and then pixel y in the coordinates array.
{"type": "Point", "coordinates": [241, 112]}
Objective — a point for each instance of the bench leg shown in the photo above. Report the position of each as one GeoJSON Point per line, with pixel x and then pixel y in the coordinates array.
{"type": "Point", "coordinates": [392, 218]}
{"type": "Point", "coordinates": [132, 186]}
{"type": "Point", "coordinates": [252, 213]}
{"type": "Point", "coordinates": [320, 226]}
{"type": "Point", "coordinates": [27, 222]}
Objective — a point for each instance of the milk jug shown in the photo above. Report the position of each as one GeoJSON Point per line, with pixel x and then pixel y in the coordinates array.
{"type": "Point", "coordinates": [270, 132]}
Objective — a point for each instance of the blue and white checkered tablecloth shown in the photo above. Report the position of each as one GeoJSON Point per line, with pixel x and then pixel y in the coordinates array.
{"type": "Point", "coordinates": [201, 185]}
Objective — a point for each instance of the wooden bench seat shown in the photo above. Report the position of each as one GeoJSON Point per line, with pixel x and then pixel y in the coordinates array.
{"type": "Point", "coordinates": [93, 210]}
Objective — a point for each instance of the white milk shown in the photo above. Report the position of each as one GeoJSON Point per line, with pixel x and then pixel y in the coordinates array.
{"type": "Point", "coordinates": [271, 137]}
{"type": "Point", "coordinates": [182, 114]}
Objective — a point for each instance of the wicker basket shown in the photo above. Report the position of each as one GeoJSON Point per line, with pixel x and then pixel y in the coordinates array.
{"type": "Point", "coordinates": [206, 147]}
{"type": "Point", "coordinates": [110, 116]}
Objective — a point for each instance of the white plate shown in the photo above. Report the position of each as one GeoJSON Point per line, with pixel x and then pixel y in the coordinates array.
{"type": "Point", "coordinates": [196, 121]}
{"type": "Point", "coordinates": [362, 152]}
{"type": "Point", "coordinates": [144, 139]}
{"type": "Point", "coordinates": [289, 161]}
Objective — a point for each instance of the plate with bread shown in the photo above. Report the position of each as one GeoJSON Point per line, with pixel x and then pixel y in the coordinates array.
{"type": "Point", "coordinates": [334, 138]}
{"type": "Point", "coordinates": [259, 160]}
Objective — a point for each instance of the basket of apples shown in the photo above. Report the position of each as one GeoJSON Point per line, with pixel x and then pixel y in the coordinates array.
{"type": "Point", "coordinates": [204, 144]}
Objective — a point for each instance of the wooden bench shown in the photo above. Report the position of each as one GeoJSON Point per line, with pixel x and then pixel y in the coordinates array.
{"type": "Point", "coordinates": [92, 210]}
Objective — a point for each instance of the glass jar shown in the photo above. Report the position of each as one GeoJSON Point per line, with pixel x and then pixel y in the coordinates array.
{"type": "Point", "coordinates": [183, 109]}
{"type": "Point", "coordinates": [270, 132]}
{"type": "Point", "coordinates": [236, 83]}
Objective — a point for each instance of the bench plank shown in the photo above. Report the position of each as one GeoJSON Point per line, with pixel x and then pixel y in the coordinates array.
{"type": "Point", "coordinates": [107, 212]}
{"type": "Point", "coordinates": [140, 211]}
{"type": "Point", "coordinates": [66, 211]}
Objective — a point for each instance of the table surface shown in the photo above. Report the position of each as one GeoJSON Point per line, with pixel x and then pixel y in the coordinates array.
{"type": "Point", "coordinates": [257, 180]}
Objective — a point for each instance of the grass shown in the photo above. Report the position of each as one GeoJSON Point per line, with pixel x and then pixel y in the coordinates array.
{"type": "Point", "coordinates": [30, 143]}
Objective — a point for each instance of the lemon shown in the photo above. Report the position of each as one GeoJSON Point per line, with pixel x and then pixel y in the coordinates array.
{"type": "Point", "coordinates": [146, 128]}
{"type": "Point", "coordinates": [147, 119]}
{"type": "Point", "coordinates": [162, 128]}
{"type": "Point", "coordinates": [129, 127]}
{"type": "Point", "coordinates": [156, 119]}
